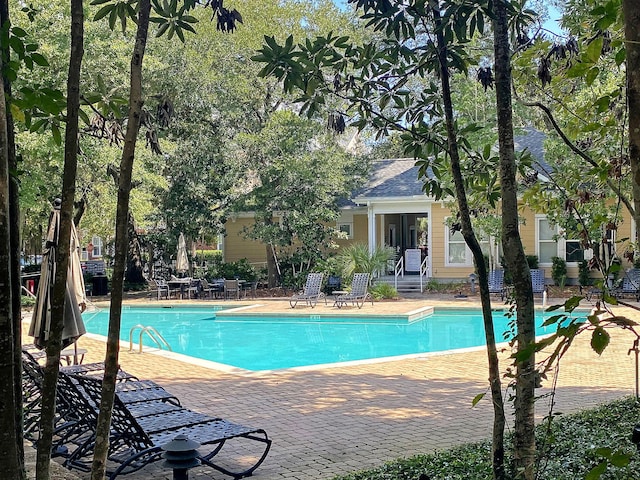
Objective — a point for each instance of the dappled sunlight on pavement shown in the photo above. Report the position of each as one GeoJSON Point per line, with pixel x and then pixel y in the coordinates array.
{"type": "Point", "coordinates": [330, 421]}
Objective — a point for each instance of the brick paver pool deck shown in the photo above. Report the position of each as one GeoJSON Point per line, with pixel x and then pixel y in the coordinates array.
{"type": "Point", "coordinates": [334, 420]}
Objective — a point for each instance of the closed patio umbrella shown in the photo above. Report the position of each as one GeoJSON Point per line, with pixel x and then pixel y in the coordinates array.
{"type": "Point", "coordinates": [182, 261]}
{"type": "Point", "coordinates": [74, 296]}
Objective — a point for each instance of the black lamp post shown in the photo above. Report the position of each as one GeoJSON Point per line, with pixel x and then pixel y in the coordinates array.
{"type": "Point", "coordinates": [181, 455]}
{"type": "Point", "coordinates": [635, 436]}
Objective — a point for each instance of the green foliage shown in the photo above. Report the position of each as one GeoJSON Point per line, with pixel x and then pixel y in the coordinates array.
{"type": "Point", "coordinates": [207, 255]}
{"type": "Point", "coordinates": [330, 266]}
{"type": "Point", "coordinates": [383, 290]}
{"type": "Point", "coordinates": [356, 258]}
{"type": "Point", "coordinates": [558, 270]}
{"type": "Point", "coordinates": [27, 301]}
{"type": "Point", "coordinates": [584, 274]}
{"type": "Point", "coordinates": [302, 184]}
{"type": "Point", "coordinates": [568, 451]}
{"type": "Point", "coordinates": [532, 260]}
{"type": "Point", "coordinates": [242, 269]}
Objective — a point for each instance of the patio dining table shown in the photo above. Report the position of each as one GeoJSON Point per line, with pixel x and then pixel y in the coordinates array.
{"type": "Point", "coordinates": [184, 284]}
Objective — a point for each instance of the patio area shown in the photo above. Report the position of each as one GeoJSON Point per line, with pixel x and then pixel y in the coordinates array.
{"type": "Point", "coordinates": [330, 421]}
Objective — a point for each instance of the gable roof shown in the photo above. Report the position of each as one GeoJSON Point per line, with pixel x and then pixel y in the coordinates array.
{"type": "Point", "coordinates": [533, 140]}
{"type": "Point", "coordinates": [398, 177]}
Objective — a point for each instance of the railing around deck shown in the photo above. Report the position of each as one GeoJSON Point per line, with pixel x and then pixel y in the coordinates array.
{"type": "Point", "coordinates": [399, 271]}
{"type": "Point", "coordinates": [424, 272]}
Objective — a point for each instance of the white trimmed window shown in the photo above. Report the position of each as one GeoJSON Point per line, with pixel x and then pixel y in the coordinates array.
{"type": "Point", "coordinates": [457, 253]}
{"type": "Point", "coordinates": [346, 228]}
{"type": "Point", "coordinates": [547, 243]}
{"type": "Point", "coordinates": [550, 244]}
{"type": "Point", "coordinates": [97, 246]}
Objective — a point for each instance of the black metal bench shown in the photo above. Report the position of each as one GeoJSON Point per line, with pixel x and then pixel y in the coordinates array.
{"type": "Point", "coordinates": [140, 429]}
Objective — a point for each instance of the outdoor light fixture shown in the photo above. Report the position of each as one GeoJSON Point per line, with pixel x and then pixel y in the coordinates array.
{"type": "Point", "coordinates": [472, 280]}
{"type": "Point", "coordinates": [635, 436]}
{"type": "Point", "coordinates": [180, 455]}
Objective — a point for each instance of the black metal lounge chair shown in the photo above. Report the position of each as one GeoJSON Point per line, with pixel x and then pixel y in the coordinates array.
{"type": "Point", "coordinates": [630, 285]}
{"type": "Point", "coordinates": [311, 293]}
{"type": "Point", "coordinates": [140, 430]}
{"type": "Point", "coordinates": [359, 292]}
{"type": "Point", "coordinates": [76, 416]}
{"type": "Point", "coordinates": [496, 283]}
{"type": "Point", "coordinates": [73, 420]}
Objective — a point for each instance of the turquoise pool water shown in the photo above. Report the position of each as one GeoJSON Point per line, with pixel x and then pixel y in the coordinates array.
{"type": "Point", "coordinates": [268, 343]}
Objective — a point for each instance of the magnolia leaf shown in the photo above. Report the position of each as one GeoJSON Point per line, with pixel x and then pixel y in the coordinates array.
{"type": "Point", "coordinates": [553, 319]}
{"type": "Point", "coordinates": [57, 135]}
{"type": "Point", "coordinates": [571, 304]}
{"type": "Point", "coordinates": [477, 398]}
{"type": "Point", "coordinates": [596, 472]}
{"type": "Point", "coordinates": [17, 113]}
{"type": "Point", "coordinates": [622, 321]}
{"type": "Point", "coordinates": [594, 50]}
{"type": "Point", "coordinates": [600, 340]}
{"type": "Point", "coordinates": [620, 459]}
{"type": "Point", "coordinates": [592, 74]}
{"type": "Point", "coordinates": [103, 12]}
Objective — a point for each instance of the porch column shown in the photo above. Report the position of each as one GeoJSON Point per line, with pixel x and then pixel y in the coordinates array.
{"type": "Point", "coordinates": [371, 224]}
{"type": "Point", "coordinates": [382, 232]}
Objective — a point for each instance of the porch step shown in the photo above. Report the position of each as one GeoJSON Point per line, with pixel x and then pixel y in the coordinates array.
{"type": "Point", "coordinates": [406, 284]}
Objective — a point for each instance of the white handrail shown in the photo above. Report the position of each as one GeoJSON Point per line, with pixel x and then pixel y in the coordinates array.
{"type": "Point", "coordinates": [28, 292]}
{"type": "Point", "coordinates": [424, 271]}
{"type": "Point", "coordinates": [399, 270]}
{"type": "Point", "coordinates": [153, 335]}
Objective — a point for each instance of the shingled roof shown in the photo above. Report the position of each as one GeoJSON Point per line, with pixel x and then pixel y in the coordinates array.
{"type": "Point", "coordinates": [398, 177]}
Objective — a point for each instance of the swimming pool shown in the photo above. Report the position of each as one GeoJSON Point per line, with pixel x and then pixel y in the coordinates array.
{"type": "Point", "coordinates": [262, 342]}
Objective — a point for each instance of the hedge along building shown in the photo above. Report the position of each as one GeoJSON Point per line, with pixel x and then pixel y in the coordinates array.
{"type": "Point", "coordinates": [392, 210]}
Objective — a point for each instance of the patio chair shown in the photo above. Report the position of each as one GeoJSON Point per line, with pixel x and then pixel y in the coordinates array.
{"type": "Point", "coordinates": [231, 289]}
{"type": "Point", "coordinates": [160, 287]}
{"type": "Point", "coordinates": [359, 292]}
{"type": "Point", "coordinates": [207, 289]}
{"type": "Point", "coordinates": [311, 293]}
{"type": "Point", "coordinates": [139, 432]}
{"type": "Point", "coordinates": [496, 283]}
{"type": "Point", "coordinates": [537, 281]}
{"type": "Point", "coordinates": [333, 283]}
{"type": "Point", "coordinates": [630, 285]}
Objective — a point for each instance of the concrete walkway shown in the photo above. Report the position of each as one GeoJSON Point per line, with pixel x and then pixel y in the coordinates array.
{"type": "Point", "coordinates": [330, 421]}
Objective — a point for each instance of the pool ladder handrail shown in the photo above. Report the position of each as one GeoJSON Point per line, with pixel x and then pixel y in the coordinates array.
{"type": "Point", "coordinates": [152, 333]}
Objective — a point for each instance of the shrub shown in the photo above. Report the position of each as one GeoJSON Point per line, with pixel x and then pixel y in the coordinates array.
{"type": "Point", "coordinates": [356, 258]}
{"type": "Point", "coordinates": [584, 276]}
{"type": "Point", "coordinates": [383, 290]}
{"type": "Point", "coordinates": [27, 301]}
{"type": "Point", "coordinates": [532, 260]}
{"type": "Point", "coordinates": [572, 448]}
{"type": "Point", "coordinates": [207, 255]}
{"type": "Point", "coordinates": [558, 270]}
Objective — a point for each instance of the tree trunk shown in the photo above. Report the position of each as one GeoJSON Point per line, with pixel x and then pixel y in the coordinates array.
{"type": "Point", "coordinates": [631, 12]}
{"type": "Point", "coordinates": [134, 273]}
{"type": "Point", "coordinates": [9, 424]}
{"type": "Point", "coordinates": [272, 271]}
{"type": "Point", "coordinates": [121, 245]}
{"type": "Point", "coordinates": [54, 342]}
{"type": "Point", "coordinates": [524, 434]}
{"type": "Point", "coordinates": [15, 249]}
{"type": "Point", "coordinates": [472, 242]}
